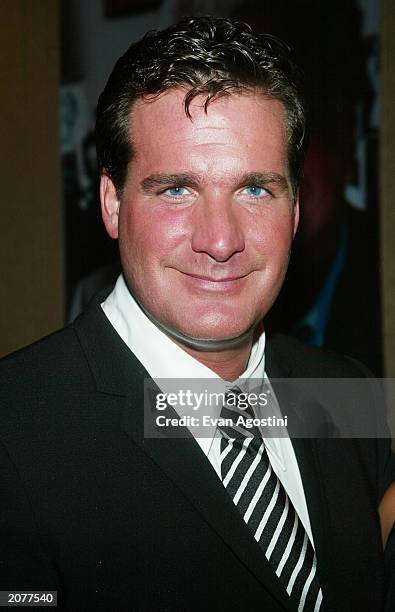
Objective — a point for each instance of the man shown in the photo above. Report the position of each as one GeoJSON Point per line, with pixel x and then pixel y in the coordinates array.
{"type": "Point", "coordinates": [200, 138]}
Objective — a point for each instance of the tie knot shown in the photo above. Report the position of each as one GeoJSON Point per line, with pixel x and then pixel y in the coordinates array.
{"type": "Point", "coordinates": [237, 400]}
{"type": "Point", "coordinates": [238, 415]}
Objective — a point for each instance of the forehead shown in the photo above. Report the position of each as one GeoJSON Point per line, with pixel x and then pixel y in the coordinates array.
{"type": "Point", "coordinates": [249, 126]}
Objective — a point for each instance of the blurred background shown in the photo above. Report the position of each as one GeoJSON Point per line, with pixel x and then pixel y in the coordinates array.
{"type": "Point", "coordinates": [57, 55]}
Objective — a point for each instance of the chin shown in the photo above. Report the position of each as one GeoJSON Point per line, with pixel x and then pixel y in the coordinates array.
{"type": "Point", "coordinates": [202, 326]}
{"type": "Point", "coordinates": [212, 328]}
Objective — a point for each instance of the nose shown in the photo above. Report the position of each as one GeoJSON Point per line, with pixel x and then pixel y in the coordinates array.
{"type": "Point", "coordinates": [217, 229]}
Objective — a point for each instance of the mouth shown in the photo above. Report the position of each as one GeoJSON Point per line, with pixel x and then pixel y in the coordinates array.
{"type": "Point", "coordinates": [224, 283]}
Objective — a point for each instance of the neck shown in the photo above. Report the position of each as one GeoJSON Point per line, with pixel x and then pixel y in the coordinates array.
{"type": "Point", "coordinates": [231, 361]}
{"type": "Point", "coordinates": [229, 364]}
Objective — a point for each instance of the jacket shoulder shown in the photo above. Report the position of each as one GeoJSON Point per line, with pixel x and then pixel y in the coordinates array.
{"type": "Point", "coordinates": [49, 355]}
{"type": "Point", "coordinates": [43, 382]}
{"type": "Point", "coordinates": [306, 361]}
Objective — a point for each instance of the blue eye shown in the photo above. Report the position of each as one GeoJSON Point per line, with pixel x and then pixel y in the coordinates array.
{"type": "Point", "coordinates": [255, 191]}
{"type": "Point", "coordinates": [176, 191]}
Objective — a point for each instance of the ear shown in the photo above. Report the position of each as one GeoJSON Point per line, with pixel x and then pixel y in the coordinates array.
{"type": "Point", "coordinates": [296, 215]}
{"type": "Point", "coordinates": [110, 204]}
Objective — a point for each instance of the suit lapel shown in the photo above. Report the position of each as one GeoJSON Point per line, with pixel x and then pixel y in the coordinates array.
{"type": "Point", "coordinates": [279, 368]}
{"type": "Point", "coordinates": [334, 488]}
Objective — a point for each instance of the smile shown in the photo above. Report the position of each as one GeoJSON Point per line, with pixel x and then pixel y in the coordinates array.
{"type": "Point", "coordinates": [217, 284]}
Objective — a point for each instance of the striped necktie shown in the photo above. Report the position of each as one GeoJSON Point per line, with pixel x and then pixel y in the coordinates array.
{"type": "Point", "coordinates": [269, 513]}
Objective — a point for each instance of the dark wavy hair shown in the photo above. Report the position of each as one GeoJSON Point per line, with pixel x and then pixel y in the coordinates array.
{"type": "Point", "coordinates": [206, 55]}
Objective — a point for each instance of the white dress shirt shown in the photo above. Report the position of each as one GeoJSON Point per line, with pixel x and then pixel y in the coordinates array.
{"type": "Point", "coordinates": [164, 359]}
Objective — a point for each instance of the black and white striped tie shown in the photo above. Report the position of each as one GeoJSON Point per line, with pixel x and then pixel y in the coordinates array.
{"type": "Point", "coordinates": [269, 513]}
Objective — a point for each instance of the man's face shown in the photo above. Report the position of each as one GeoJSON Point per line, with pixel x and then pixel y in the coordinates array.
{"type": "Point", "coordinates": [206, 218]}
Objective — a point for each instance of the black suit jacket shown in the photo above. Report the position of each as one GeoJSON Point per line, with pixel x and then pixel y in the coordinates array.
{"type": "Point", "coordinates": [115, 521]}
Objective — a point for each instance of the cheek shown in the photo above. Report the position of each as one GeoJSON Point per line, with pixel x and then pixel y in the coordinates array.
{"type": "Point", "coordinates": [148, 236]}
{"type": "Point", "coordinates": [273, 235]}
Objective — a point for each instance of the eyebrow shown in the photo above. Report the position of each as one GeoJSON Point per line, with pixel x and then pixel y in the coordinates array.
{"type": "Point", "coordinates": [161, 180]}
{"type": "Point", "coordinates": [265, 178]}
{"type": "Point", "coordinates": [153, 181]}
